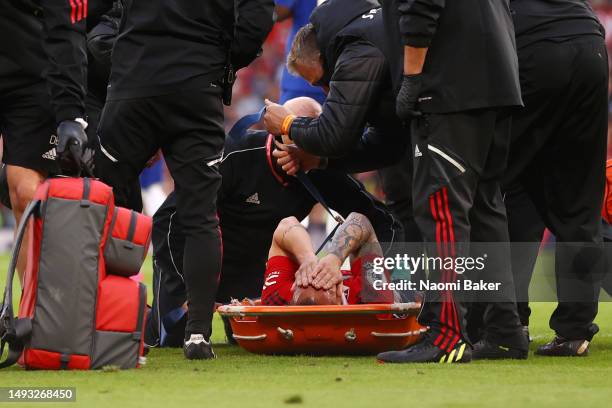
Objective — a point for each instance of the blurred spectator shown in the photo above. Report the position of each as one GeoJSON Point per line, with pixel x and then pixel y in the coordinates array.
{"type": "Point", "coordinates": [292, 86]}
{"type": "Point", "coordinates": [260, 79]}
{"type": "Point", "coordinates": [152, 185]}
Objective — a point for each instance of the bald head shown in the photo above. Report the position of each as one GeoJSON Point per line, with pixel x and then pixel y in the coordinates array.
{"type": "Point", "coordinates": [304, 106]}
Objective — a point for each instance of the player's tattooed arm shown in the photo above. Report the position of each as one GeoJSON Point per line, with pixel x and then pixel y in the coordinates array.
{"type": "Point", "coordinates": [351, 236]}
{"type": "Point", "coordinates": [354, 233]}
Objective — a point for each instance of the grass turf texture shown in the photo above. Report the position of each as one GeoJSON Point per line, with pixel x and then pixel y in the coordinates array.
{"type": "Point", "coordinates": [240, 379]}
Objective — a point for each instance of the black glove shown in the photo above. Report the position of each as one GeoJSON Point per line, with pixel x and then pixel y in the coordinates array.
{"type": "Point", "coordinates": [408, 97]}
{"type": "Point", "coordinates": [87, 163]}
{"type": "Point", "coordinates": [71, 145]}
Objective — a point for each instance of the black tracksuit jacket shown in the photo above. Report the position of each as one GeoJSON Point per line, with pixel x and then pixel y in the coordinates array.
{"type": "Point", "coordinates": [552, 20]}
{"type": "Point", "coordinates": [168, 46]}
{"type": "Point", "coordinates": [359, 69]}
{"type": "Point", "coordinates": [471, 62]}
{"type": "Point", "coordinates": [45, 39]}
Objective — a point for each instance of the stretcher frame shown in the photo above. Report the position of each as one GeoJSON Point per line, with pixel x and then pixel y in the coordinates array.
{"type": "Point", "coordinates": [324, 330]}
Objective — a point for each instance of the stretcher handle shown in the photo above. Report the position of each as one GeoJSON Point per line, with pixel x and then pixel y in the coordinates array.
{"type": "Point", "coordinates": [350, 335]}
{"type": "Point", "coordinates": [286, 333]}
{"type": "Point", "coordinates": [405, 334]}
{"type": "Point", "coordinates": [257, 337]}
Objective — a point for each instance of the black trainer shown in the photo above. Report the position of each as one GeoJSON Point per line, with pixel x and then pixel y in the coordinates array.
{"type": "Point", "coordinates": [487, 350]}
{"type": "Point", "coordinates": [426, 352]}
{"type": "Point", "coordinates": [561, 347]}
{"type": "Point", "coordinates": [198, 348]}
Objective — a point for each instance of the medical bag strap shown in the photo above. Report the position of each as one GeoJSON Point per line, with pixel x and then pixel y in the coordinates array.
{"type": "Point", "coordinates": [14, 332]}
{"type": "Point", "coordinates": [328, 238]}
{"type": "Point", "coordinates": [316, 194]}
{"type": "Point", "coordinates": [129, 243]}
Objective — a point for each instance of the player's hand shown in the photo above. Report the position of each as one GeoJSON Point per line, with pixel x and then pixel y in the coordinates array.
{"type": "Point", "coordinates": [305, 273]}
{"type": "Point", "coordinates": [408, 97]}
{"type": "Point", "coordinates": [71, 146]}
{"type": "Point", "coordinates": [291, 158]}
{"type": "Point", "coordinates": [328, 274]}
{"type": "Point", "coordinates": [274, 117]}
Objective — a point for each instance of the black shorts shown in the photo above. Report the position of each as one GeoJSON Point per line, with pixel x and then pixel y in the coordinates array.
{"type": "Point", "coordinates": [28, 128]}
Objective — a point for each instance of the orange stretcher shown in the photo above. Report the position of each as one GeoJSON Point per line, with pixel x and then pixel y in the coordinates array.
{"type": "Point", "coordinates": [324, 330]}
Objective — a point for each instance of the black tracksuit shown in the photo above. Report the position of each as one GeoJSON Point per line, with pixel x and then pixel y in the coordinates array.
{"type": "Point", "coordinates": [469, 82]}
{"type": "Point", "coordinates": [556, 166]}
{"type": "Point", "coordinates": [43, 69]}
{"type": "Point", "coordinates": [253, 199]}
{"type": "Point", "coordinates": [102, 29]}
{"type": "Point", "coordinates": [165, 91]}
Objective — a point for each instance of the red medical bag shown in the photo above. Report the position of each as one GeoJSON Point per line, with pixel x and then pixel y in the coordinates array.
{"type": "Point", "coordinates": [128, 242]}
{"type": "Point", "coordinates": [77, 310]}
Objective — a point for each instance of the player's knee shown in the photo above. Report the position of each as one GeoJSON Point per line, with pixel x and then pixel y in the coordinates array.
{"type": "Point", "coordinates": [287, 223]}
{"type": "Point", "coordinates": [282, 227]}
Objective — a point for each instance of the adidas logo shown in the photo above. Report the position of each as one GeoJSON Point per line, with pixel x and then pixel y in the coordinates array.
{"type": "Point", "coordinates": [417, 152]}
{"type": "Point", "coordinates": [254, 199]}
{"type": "Point", "coordinates": [50, 155]}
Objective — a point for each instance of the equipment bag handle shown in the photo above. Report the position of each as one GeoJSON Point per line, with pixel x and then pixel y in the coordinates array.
{"type": "Point", "coordinates": [14, 332]}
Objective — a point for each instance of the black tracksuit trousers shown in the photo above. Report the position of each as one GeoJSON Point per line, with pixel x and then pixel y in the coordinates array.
{"type": "Point", "coordinates": [458, 164]}
{"type": "Point", "coordinates": [557, 167]}
{"type": "Point", "coordinates": [188, 127]}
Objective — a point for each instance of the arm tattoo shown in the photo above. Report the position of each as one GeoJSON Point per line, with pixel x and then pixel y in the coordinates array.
{"type": "Point", "coordinates": [351, 236]}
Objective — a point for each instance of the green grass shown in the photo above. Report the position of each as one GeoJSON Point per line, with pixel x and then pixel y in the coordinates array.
{"type": "Point", "coordinates": [240, 379]}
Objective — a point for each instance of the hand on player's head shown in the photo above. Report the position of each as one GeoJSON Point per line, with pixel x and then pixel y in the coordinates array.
{"type": "Point", "coordinates": [305, 273]}
{"type": "Point", "coordinates": [327, 274]}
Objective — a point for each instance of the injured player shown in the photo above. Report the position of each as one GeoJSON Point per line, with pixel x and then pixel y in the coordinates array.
{"type": "Point", "coordinates": [296, 276]}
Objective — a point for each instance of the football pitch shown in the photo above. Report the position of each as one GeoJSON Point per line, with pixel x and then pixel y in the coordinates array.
{"type": "Point", "coordinates": [241, 379]}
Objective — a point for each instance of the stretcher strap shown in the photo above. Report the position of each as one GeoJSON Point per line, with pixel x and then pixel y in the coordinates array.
{"type": "Point", "coordinates": [316, 194]}
{"type": "Point", "coordinates": [328, 238]}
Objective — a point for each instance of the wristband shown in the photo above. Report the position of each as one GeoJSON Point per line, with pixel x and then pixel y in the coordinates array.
{"type": "Point", "coordinates": [287, 124]}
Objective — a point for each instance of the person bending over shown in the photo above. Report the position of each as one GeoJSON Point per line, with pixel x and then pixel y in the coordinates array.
{"type": "Point", "coordinates": [296, 276]}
